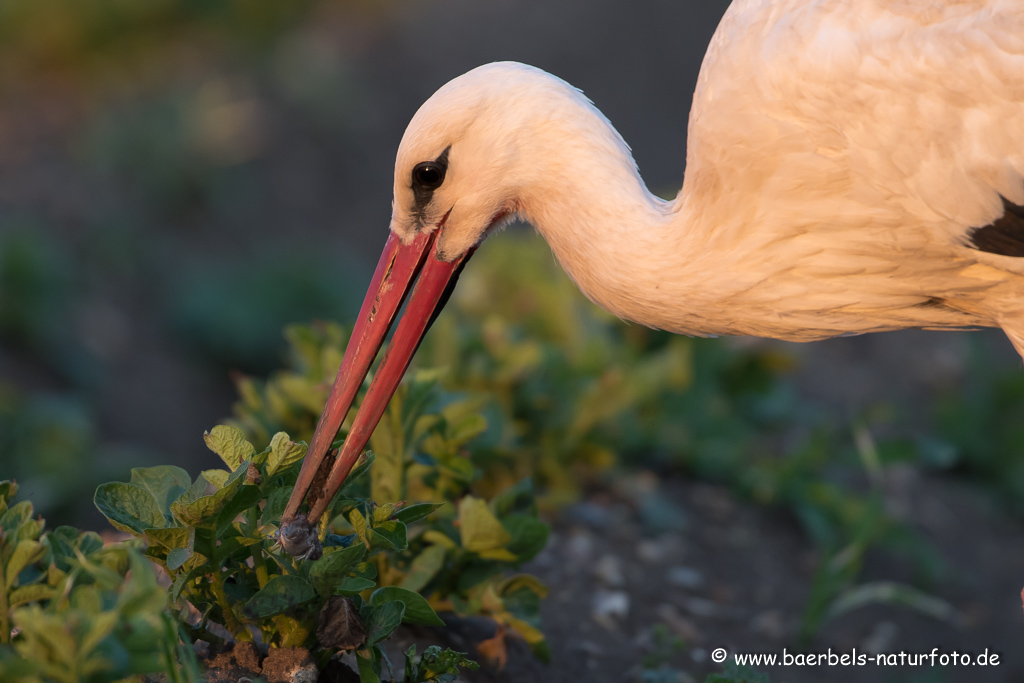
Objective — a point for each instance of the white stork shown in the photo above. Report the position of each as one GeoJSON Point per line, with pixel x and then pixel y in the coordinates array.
{"type": "Point", "coordinates": [853, 166]}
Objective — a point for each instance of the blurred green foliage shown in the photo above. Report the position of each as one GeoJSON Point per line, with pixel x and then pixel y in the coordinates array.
{"type": "Point", "coordinates": [79, 610]}
{"type": "Point", "coordinates": [233, 314]}
{"type": "Point", "coordinates": [49, 443]}
{"type": "Point", "coordinates": [101, 38]}
{"type": "Point", "coordinates": [980, 428]}
{"type": "Point", "coordinates": [393, 564]}
{"type": "Point", "coordinates": [37, 280]}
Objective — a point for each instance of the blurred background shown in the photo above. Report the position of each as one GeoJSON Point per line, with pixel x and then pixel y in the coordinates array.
{"type": "Point", "coordinates": [180, 179]}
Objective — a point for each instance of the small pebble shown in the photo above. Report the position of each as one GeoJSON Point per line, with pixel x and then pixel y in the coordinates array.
{"type": "Point", "coordinates": [579, 547]}
{"type": "Point", "coordinates": [660, 513]}
{"type": "Point", "coordinates": [609, 570]}
{"type": "Point", "coordinates": [683, 627]}
{"type": "Point", "coordinates": [589, 647]}
{"type": "Point", "coordinates": [607, 606]}
{"type": "Point", "coordinates": [741, 537]}
{"type": "Point", "coordinates": [769, 623]}
{"type": "Point", "coordinates": [881, 638]}
{"type": "Point", "coordinates": [699, 607]}
{"type": "Point", "coordinates": [591, 514]}
{"type": "Point", "coordinates": [644, 640]}
{"type": "Point", "coordinates": [650, 550]}
{"type": "Point", "coordinates": [685, 577]}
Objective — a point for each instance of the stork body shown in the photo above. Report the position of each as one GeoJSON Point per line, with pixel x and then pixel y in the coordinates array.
{"type": "Point", "coordinates": [853, 166]}
{"type": "Point", "coordinates": [840, 156]}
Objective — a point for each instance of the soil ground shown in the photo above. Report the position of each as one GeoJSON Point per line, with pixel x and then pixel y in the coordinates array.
{"type": "Point", "coordinates": [737, 578]}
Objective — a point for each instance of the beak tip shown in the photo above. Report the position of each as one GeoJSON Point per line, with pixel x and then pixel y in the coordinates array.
{"type": "Point", "coordinates": [299, 538]}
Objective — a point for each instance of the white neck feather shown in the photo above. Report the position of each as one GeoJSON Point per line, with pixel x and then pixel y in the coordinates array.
{"type": "Point", "coordinates": [625, 248]}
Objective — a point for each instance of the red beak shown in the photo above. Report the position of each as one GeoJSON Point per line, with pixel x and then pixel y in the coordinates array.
{"type": "Point", "coordinates": [396, 272]}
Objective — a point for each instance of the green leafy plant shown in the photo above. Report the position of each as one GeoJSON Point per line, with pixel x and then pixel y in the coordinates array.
{"type": "Point", "coordinates": [383, 564]}
{"type": "Point", "coordinates": [656, 667]}
{"type": "Point", "coordinates": [79, 610]}
{"type": "Point", "coordinates": [435, 665]}
{"type": "Point", "coordinates": [980, 427]}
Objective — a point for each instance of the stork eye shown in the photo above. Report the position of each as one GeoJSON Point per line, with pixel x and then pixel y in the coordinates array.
{"type": "Point", "coordinates": [428, 175]}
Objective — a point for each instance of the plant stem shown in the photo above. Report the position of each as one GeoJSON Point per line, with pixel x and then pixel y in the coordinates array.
{"type": "Point", "coordinates": [230, 618]}
{"type": "Point", "coordinates": [260, 565]}
{"type": "Point", "coordinates": [200, 632]}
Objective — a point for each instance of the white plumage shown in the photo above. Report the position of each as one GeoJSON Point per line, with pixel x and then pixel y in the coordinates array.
{"type": "Point", "coordinates": [840, 153]}
{"type": "Point", "coordinates": [853, 166]}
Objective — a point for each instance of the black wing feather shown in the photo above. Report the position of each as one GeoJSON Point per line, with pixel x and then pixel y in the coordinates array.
{"type": "Point", "coordinates": [1005, 235]}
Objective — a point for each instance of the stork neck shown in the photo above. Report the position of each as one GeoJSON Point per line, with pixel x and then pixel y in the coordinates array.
{"type": "Point", "coordinates": [610, 234]}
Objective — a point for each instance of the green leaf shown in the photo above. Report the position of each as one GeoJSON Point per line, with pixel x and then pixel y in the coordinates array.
{"type": "Point", "coordinates": [282, 592]}
{"type": "Point", "coordinates": [381, 620]}
{"type": "Point", "coordinates": [529, 536]}
{"type": "Point", "coordinates": [284, 452]}
{"type": "Point", "coordinates": [30, 529]}
{"type": "Point", "coordinates": [203, 541]}
{"type": "Point", "coordinates": [480, 531]}
{"type": "Point", "coordinates": [88, 542]}
{"type": "Point", "coordinates": [247, 496]}
{"type": "Point", "coordinates": [443, 666]}
{"type": "Point", "coordinates": [128, 507]}
{"type": "Point", "coordinates": [521, 582]}
{"type": "Point", "coordinates": [328, 573]}
{"type": "Point", "coordinates": [229, 443]}
{"type": "Point", "coordinates": [172, 537]}
{"type": "Point", "coordinates": [467, 428]}
{"type": "Point", "coordinates": [417, 609]}
{"type": "Point", "coordinates": [389, 535]}
{"type": "Point", "coordinates": [358, 522]}
{"type": "Point", "coordinates": [25, 594]}
{"type": "Point", "coordinates": [100, 626]}
{"type": "Point", "coordinates": [194, 492]}
{"type": "Point", "coordinates": [424, 567]}
{"type": "Point", "coordinates": [410, 665]}
{"type": "Point", "coordinates": [176, 557]}
{"type": "Point", "coordinates": [61, 546]}
{"type": "Point", "coordinates": [368, 662]}
{"type": "Point", "coordinates": [355, 584]}
{"type": "Point", "coordinates": [26, 552]}
{"type": "Point", "coordinates": [15, 516]}
{"type": "Point", "coordinates": [184, 579]}
{"type": "Point", "coordinates": [8, 490]}
{"type": "Point", "coordinates": [203, 512]}
{"type": "Point", "coordinates": [516, 498]}
{"type": "Point", "coordinates": [165, 483]}
{"type": "Point", "coordinates": [216, 477]}
{"type": "Point", "coordinates": [414, 513]}
{"type": "Point", "coordinates": [275, 505]}
{"type": "Point", "coordinates": [383, 513]}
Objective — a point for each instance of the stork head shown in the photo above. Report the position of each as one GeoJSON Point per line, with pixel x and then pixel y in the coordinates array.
{"type": "Point", "coordinates": [467, 157]}
{"type": "Point", "coordinates": [462, 167]}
